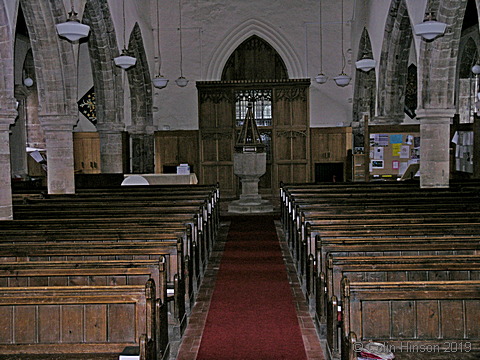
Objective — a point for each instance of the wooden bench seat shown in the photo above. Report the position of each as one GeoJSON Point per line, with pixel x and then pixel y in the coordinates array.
{"type": "Point", "coordinates": [95, 273]}
{"type": "Point", "coordinates": [79, 320]}
{"type": "Point", "coordinates": [176, 274]}
{"type": "Point", "coordinates": [370, 247]}
{"type": "Point", "coordinates": [389, 268]}
{"type": "Point", "coordinates": [192, 259]}
{"type": "Point", "coordinates": [408, 316]}
{"type": "Point", "coordinates": [204, 230]}
{"type": "Point", "coordinates": [306, 248]}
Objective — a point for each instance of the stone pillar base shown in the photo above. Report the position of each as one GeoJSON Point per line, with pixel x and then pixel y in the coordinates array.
{"type": "Point", "coordinates": [246, 207]}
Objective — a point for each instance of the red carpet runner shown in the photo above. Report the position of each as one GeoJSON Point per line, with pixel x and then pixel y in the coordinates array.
{"type": "Point", "coordinates": [252, 314]}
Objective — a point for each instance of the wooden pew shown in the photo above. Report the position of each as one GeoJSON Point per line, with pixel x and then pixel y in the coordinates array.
{"type": "Point", "coordinates": [112, 251]}
{"type": "Point", "coordinates": [202, 229]}
{"type": "Point", "coordinates": [315, 236]}
{"type": "Point", "coordinates": [195, 251]}
{"type": "Point", "coordinates": [79, 321]}
{"type": "Point", "coordinates": [389, 268]}
{"type": "Point", "coordinates": [146, 196]}
{"type": "Point", "coordinates": [374, 246]}
{"type": "Point", "coordinates": [415, 320]}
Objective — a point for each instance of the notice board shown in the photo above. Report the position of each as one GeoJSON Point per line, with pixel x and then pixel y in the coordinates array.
{"type": "Point", "coordinates": [392, 150]}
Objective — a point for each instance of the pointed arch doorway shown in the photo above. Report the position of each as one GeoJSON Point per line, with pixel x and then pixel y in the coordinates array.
{"type": "Point", "coordinates": [256, 73]}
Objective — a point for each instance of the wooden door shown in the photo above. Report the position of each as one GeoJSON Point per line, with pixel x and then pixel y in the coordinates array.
{"type": "Point", "coordinates": [291, 134]}
{"type": "Point", "coordinates": [332, 145]}
{"type": "Point", "coordinates": [217, 138]}
{"type": "Point", "coordinates": [176, 147]}
{"type": "Point", "coordinates": [86, 147]}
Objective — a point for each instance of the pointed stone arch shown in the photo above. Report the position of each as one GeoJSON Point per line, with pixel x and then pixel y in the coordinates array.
{"type": "Point", "coordinates": [7, 112]}
{"type": "Point", "coordinates": [107, 82]}
{"type": "Point", "coordinates": [140, 82]}
{"type": "Point", "coordinates": [438, 58]}
{"type": "Point", "coordinates": [7, 99]}
{"type": "Point", "coordinates": [393, 67]}
{"type": "Point", "coordinates": [263, 30]}
{"type": "Point", "coordinates": [103, 48]}
{"type": "Point", "coordinates": [56, 78]}
{"type": "Point", "coordinates": [468, 56]}
{"type": "Point", "coordinates": [364, 92]}
{"type": "Point", "coordinates": [141, 128]}
{"type": "Point", "coordinates": [254, 59]}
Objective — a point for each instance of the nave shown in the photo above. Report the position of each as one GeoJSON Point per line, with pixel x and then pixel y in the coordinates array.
{"type": "Point", "coordinates": [373, 262]}
{"type": "Point", "coordinates": [192, 338]}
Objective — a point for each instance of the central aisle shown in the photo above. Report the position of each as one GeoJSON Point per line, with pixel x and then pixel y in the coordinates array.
{"type": "Point", "coordinates": [252, 313]}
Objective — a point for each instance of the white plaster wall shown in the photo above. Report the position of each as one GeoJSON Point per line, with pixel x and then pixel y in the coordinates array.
{"type": "Point", "coordinates": [213, 29]}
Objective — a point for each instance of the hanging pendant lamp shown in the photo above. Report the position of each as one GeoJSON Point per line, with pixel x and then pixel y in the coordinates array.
{"type": "Point", "coordinates": [181, 81]}
{"type": "Point", "coordinates": [430, 29]}
{"type": "Point", "coordinates": [366, 63]}
{"type": "Point", "coordinates": [124, 61]}
{"type": "Point", "coordinates": [321, 78]}
{"type": "Point", "coordinates": [342, 79]}
{"type": "Point", "coordinates": [159, 81]}
{"type": "Point", "coordinates": [72, 29]}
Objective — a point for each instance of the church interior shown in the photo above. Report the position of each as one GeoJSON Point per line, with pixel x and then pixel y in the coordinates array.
{"type": "Point", "coordinates": [145, 143]}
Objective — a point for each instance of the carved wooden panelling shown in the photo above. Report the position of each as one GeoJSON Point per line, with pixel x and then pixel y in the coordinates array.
{"type": "Point", "coordinates": [176, 147]}
{"type": "Point", "coordinates": [287, 129]}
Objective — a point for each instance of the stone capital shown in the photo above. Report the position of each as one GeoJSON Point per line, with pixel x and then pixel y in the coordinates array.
{"type": "Point", "coordinates": [57, 122]}
{"type": "Point", "coordinates": [141, 129]}
{"type": "Point", "coordinates": [109, 127]}
{"type": "Point", "coordinates": [435, 115]}
{"type": "Point", "coordinates": [7, 117]}
{"type": "Point", "coordinates": [393, 119]}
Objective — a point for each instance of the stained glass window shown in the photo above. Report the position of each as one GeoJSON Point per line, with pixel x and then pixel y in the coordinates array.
{"type": "Point", "coordinates": [262, 106]}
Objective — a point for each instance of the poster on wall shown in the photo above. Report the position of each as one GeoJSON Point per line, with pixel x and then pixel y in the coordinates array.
{"type": "Point", "coordinates": [391, 153]}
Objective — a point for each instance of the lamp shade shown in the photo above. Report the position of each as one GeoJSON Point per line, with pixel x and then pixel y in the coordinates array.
{"type": "Point", "coordinates": [125, 61]}
{"type": "Point", "coordinates": [28, 81]}
{"type": "Point", "coordinates": [476, 69]}
{"type": "Point", "coordinates": [181, 81]}
{"type": "Point", "coordinates": [159, 82]}
{"type": "Point", "coordinates": [342, 80]}
{"type": "Point", "coordinates": [430, 29]}
{"type": "Point", "coordinates": [365, 64]}
{"type": "Point", "coordinates": [321, 78]}
{"type": "Point", "coordinates": [72, 30]}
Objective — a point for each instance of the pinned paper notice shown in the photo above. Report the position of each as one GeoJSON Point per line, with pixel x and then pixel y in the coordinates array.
{"type": "Point", "coordinates": [378, 153]}
{"type": "Point", "coordinates": [396, 139]}
{"type": "Point", "coordinates": [396, 149]}
{"type": "Point", "coordinates": [405, 152]}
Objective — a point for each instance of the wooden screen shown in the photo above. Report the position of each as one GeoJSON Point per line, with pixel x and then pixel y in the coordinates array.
{"type": "Point", "coordinates": [288, 133]}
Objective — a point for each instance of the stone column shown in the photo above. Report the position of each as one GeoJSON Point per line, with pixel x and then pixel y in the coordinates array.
{"type": "Point", "coordinates": [111, 147]}
{"type": "Point", "coordinates": [59, 143]}
{"type": "Point", "coordinates": [6, 210]}
{"type": "Point", "coordinates": [435, 147]}
{"type": "Point", "coordinates": [143, 161]}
